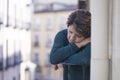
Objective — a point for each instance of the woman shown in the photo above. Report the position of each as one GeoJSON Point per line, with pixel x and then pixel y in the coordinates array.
{"type": "Point", "coordinates": [72, 46]}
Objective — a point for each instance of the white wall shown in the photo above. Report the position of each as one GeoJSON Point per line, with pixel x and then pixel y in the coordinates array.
{"type": "Point", "coordinates": [99, 57]}
{"type": "Point", "coordinates": [116, 40]}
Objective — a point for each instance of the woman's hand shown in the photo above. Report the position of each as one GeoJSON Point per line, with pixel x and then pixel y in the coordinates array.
{"type": "Point", "coordinates": [83, 42]}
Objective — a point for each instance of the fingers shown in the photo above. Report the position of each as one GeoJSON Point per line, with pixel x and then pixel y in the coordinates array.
{"type": "Point", "coordinates": [56, 67]}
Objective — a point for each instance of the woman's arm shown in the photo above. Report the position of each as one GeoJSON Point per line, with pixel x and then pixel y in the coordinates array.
{"type": "Point", "coordinates": [60, 50]}
{"type": "Point", "coordinates": [80, 58]}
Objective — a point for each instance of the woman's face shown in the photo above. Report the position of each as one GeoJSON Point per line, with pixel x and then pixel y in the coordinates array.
{"type": "Point", "coordinates": [73, 36]}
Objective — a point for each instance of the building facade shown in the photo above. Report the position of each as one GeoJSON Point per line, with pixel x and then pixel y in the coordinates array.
{"type": "Point", "coordinates": [15, 18]}
{"type": "Point", "coordinates": [24, 53]}
{"type": "Point", "coordinates": [47, 21]}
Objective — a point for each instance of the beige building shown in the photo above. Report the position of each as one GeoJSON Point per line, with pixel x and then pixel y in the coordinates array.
{"type": "Point", "coordinates": [46, 23]}
{"type": "Point", "coordinates": [105, 39]}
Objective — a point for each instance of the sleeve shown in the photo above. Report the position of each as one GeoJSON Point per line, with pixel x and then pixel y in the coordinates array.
{"type": "Point", "coordinates": [80, 58]}
{"type": "Point", "coordinates": [60, 51]}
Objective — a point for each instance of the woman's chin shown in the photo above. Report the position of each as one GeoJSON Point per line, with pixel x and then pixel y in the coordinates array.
{"type": "Point", "coordinates": [71, 42]}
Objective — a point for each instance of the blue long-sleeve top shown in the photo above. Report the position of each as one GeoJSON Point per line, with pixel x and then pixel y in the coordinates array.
{"type": "Point", "coordinates": [65, 52]}
{"type": "Point", "coordinates": [68, 53]}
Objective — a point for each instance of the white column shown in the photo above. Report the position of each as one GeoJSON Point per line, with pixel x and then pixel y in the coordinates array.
{"type": "Point", "coordinates": [116, 41]}
{"type": "Point", "coordinates": [99, 57]}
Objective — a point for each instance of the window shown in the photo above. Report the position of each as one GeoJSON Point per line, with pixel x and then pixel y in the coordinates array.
{"type": "Point", "coordinates": [48, 64]}
{"type": "Point", "coordinates": [62, 26]}
{"type": "Point", "coordinates": [49, 40]}
{"type": "Point", "coordinates": [37, 23]}
{"type": "Point", "coordinates": [36, 40]}
{"type": "Point", "coordinates": [38, 72]}
{"type": "Point", "coordinates": [62, 22]}
{"type": "Point", "coordinates": [1, 57]}
{"type": "Point", "coordinates": [17, 53]}
{"type": "Point", "coordinates": [6, 64]}
{"type": "Point", "coordinates": [18, 58]}
{"type": "Point", "coordinates": [11, 53]}
{"type": "Point", "coordinates": [0, 22]}
{"type": "Point", "coordinates": [36, 57]}
{"type": "Point", "coordinates": [49, 24]}
{"type": "Point", "coordinates": [35, 1]}
{"type": "Point", "coordinates": [14, 78]}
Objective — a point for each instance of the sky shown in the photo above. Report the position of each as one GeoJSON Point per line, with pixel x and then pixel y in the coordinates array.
{"type": "Point", "coordinates": [64, 1]}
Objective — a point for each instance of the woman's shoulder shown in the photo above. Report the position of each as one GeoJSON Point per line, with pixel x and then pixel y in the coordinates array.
{"type": "Point", "coordinates": [62, 32]}
{"type": "Point", "coordinates": [61, 35]}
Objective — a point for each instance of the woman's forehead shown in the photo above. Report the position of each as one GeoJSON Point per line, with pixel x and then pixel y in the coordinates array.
{"type": "Point", "coordinates": [73, 29]}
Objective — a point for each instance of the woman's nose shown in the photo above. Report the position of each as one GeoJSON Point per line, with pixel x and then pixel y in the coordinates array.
{"type": "Point", "coordinates": [72, 38]}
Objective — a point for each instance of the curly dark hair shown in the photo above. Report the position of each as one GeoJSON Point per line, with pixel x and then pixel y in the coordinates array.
{"type": "Point", "coordinates": [81, 19]}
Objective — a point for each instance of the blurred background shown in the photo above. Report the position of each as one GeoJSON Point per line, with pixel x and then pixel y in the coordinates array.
{"type": "Point", "coordinates": [27, 31]}
{"type": "Point", "coordinates": [28, 28]}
